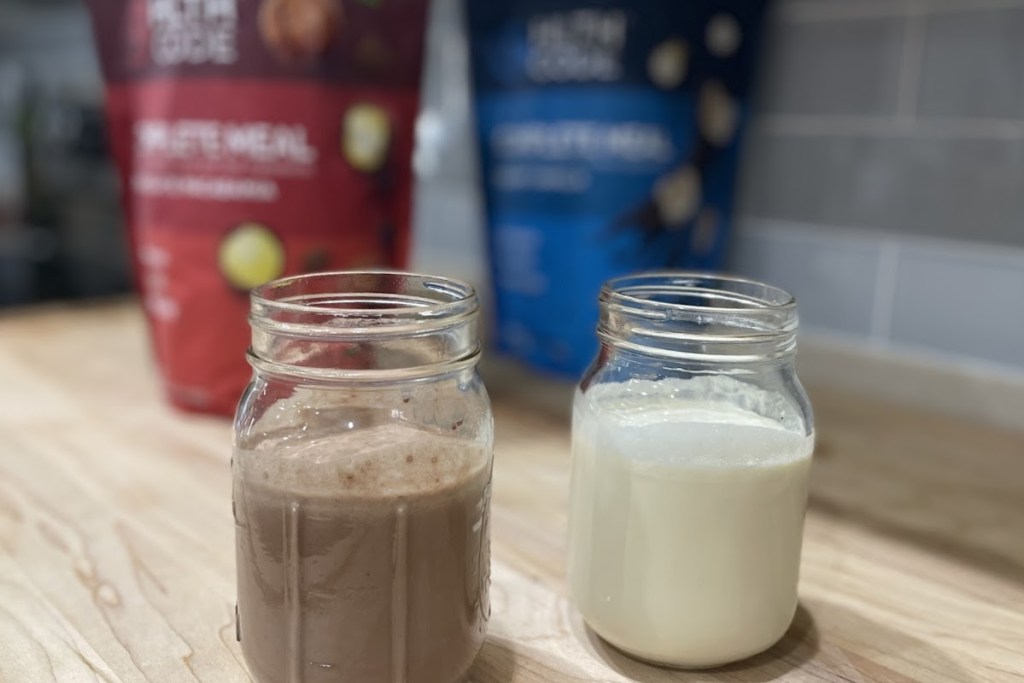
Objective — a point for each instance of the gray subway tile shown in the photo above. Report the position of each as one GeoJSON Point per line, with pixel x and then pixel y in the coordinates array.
{"type": "Point", "coordinates": [447, 216]}
{"type": "Point", "coordinates": [832, 277]}
{"type": "Point", "coordinates": [448, 236]}
{"type": "Point", "coordinates": [832, 67]}
{"type": "Point", "coordinates": [446, 144]}
{"type": "Point", "coordinates": [953, 302]}
{"type": "Point", "coordinates": [960, 188]}
{"type": "Point", "coordinates": [974, 64]}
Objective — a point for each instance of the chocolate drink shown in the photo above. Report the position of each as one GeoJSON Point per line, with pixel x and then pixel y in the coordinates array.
{"type": "Point", "coordinates": [363, 557]}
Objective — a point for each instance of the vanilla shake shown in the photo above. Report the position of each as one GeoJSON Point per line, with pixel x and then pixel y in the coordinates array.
{"type": "Point", "coordinates": [686, 517]}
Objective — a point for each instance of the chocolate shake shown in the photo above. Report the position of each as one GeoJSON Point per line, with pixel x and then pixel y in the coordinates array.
{"type": "Point", "coordinates": [363, 557]}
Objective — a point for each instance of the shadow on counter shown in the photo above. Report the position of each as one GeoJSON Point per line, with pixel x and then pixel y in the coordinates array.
{"type": "Point", "coordinates": [496, 663]}
{"type": "Point", "coordinates": [797, 647]}
{"type": "Point", "coordinates": [810, 648]}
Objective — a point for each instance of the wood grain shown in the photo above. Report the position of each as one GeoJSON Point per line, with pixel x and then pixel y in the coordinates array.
{"type": "Point", "coordinates": [117, 555]}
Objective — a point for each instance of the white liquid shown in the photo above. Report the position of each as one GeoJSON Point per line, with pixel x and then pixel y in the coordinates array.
{"type": "Point", "coordinates": [686, 520]}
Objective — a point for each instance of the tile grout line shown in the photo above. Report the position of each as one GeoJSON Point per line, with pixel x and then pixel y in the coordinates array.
{"type": "Point", "coordinates": [911, 65]}
{"type": "Point", "coordinates": [885, 292]}
{"type": "Point", "coordinates": [840, 125]}
{"type": "Point", "coordinates": [814, 11]}
{"type": "Point", "coordinates": [988, 252]}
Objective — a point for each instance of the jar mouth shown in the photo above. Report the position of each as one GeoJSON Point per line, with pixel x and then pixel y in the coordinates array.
{"type": "Point", "coordinates": [360, 301]}
{"type": "Point", "coordinates": [698, 315]}
{"type": "Point", "coordinates": [367, 324]}
{"type": "Point", "coordinates": [666, 292]}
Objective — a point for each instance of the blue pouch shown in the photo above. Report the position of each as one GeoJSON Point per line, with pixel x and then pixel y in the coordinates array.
{"type": "Point", "coordinates": [609, 134]}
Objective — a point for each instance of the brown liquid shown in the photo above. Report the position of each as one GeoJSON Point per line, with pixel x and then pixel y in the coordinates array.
{"type": "Point", "coordinates": [363, 558]}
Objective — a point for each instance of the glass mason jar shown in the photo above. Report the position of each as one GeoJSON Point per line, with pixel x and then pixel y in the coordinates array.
{"type": "Point", "coordinates": [361, 481]}
{"type": "Point", "coordinates": [692, 441]}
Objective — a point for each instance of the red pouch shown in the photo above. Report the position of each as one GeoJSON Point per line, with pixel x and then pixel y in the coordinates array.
{"type": "Point", "coordinates": [254, 139]}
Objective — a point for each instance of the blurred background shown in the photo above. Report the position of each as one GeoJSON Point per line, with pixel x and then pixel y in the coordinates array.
{"type": "Point", "coordinates": [881, 179]}
{"type": "Point", "coordinates": [61, 231]}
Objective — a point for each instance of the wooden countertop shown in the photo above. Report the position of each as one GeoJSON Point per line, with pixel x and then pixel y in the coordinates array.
{"type": "Point", "coordinates": [117, 551]}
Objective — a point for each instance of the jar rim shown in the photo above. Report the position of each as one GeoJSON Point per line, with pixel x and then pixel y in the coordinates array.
{"type": "Point", "coordinates": [760, 296]}
{"type": "Point", "coordinates": [699, 316]}
{"type": "Point", "coordinates": [365, 325]}
{"type": "Point", "coordinates": [334, 284]}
